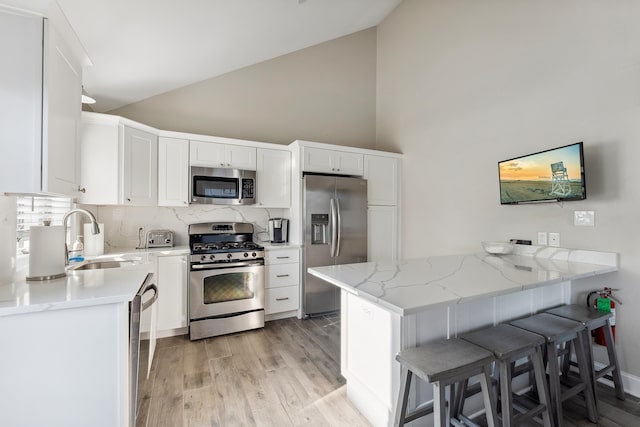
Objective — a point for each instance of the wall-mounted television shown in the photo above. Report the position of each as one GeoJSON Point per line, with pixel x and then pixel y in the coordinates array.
{"type": "Point", "coordinates": [553, 175]}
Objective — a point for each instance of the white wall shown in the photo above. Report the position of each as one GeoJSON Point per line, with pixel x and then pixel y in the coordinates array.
{"type": "Point", "coordinates": [462, 85]}
{"type": "Point", "coordinates": [323, 93]}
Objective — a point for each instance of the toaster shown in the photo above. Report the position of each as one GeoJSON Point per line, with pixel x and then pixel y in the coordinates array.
{"type": "Point", "coordinates": [159, 239]}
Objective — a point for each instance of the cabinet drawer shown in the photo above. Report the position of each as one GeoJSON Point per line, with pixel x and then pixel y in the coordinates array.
{"type": "Point", "coordinates": [281, 299]}
{"type": "Point", "coordinates": [279, 275]}
{"type": "Point", "coordinates": [282, 256]}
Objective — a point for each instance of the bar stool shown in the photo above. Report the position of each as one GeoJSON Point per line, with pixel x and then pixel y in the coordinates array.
{"type": "Point", "coordinates": [509, 344]}
{"type": "Point", "coordinates": [594, 319]}
{"type": "Point", "coordinates": [444, 363]}
{"type": "Point", "coordinates": [556, 331]}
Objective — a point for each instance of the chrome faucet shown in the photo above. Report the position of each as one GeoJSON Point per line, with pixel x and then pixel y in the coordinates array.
{"type": "Point", "coordinates": [94, 230]}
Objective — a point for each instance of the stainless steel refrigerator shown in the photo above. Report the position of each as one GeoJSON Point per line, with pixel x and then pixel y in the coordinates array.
{"type": "Point", "coordinates": [335, 232]}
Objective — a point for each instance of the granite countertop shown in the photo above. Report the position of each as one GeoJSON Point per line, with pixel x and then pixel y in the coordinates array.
{"type": "Point", "coordinates": [410, 286]}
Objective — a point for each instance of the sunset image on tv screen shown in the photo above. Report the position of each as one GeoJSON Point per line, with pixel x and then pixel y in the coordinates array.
{"type": "Point", "coordinates": [550, 175]}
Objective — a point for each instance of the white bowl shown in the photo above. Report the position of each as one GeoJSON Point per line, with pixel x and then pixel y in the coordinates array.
{"type": "Point", "coordinates": [498, 248]}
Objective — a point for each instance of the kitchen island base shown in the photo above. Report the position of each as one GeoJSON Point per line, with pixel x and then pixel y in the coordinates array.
{"type": "Point", "coordinates": [387, 308]}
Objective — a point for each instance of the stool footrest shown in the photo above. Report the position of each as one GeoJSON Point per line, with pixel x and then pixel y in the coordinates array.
{"type": "Point", "coordinates": [428, 409]}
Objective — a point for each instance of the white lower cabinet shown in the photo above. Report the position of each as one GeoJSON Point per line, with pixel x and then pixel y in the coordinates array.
{"type": "Point", "coordinates": [172, 294]}
{"type": "Point", "coordinates": [282, 283]}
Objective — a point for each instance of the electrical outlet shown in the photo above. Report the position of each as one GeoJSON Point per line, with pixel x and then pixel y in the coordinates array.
{"type": "Point", "coordinates": [554, 240]}
{"type": "Point", "coordinates": [584, 218]}
{"type": "Point", "coordinates": [542, 238]}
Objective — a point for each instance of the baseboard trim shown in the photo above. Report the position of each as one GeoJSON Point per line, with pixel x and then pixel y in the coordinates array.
{"type": "Point", "coordinates": [630, 382]}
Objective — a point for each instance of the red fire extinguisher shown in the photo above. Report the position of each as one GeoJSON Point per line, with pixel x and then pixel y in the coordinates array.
{"type": "Point", "coordinates": [604, 301]}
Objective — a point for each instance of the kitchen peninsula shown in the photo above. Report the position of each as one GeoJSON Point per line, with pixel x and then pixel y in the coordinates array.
{"type": "Point", "coordinates": [389, 306]}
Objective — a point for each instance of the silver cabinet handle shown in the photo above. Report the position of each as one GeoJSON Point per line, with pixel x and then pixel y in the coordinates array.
{"type": "Point", "coordinates": [282, 299]}
{"type": "Point", "coordinates": [282, 275]}
{"type": "Point", "coordinates": [282, 257]}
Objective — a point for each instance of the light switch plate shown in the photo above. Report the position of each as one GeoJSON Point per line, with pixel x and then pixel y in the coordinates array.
{"type": "Point", "coordinates": [554, 240]}
{"type": "Point", "coordinates": [584, 218]}
{"type": "Point", "coordinates": [542, 238]}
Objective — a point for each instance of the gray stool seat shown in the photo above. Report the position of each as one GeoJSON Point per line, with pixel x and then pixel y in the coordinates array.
{"type": "Point", "coordinates": [593, 319]}
{"type": "Point", "coordinates": [443, 363]}
{"type": "Point", "coordinates": [560, 331]}
{"type": "Point", "coordinates": [509, 344]}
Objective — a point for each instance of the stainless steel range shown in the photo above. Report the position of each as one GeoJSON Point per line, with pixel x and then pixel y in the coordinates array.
{"type": "Point", "coordinates": [226, 279]}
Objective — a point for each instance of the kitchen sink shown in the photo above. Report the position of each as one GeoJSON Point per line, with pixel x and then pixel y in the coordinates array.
{"type": "Point", "coordinates": [101, 264]}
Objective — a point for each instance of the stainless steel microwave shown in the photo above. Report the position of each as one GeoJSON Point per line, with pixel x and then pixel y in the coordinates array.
{"type": "Point", "coordinates": [218, 186]}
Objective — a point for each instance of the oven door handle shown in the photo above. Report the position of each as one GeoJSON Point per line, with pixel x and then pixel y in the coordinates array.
{"type": "Point", "coordinates": [214, 266]}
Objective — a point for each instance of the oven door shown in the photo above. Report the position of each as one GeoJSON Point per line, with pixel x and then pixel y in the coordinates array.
{"type": "Point", "coordinates": [221, 186]}
{"type": "Point", "coordinates": [221, 291]}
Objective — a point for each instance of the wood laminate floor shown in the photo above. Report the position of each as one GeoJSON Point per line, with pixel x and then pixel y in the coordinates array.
{"type": "Point", "coordinates": [287, 374]}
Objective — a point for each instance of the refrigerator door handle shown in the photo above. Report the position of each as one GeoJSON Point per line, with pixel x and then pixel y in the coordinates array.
{"type": "Point", "coordinates": [333, 227]}
{"type": "Point", "coordinates": [339, 227]}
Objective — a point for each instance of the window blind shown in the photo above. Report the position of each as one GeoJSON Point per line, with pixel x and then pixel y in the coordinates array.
{"type": "Point", "coordinates": [34, 210]}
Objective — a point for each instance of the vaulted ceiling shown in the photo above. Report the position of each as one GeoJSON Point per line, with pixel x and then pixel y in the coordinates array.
{"type": "Point", "coordinates": [141, 48]}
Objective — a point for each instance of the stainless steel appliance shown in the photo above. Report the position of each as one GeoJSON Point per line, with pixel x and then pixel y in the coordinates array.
{"type": "Point", "coordinates": [278, 230]}
{"type": "Point", "coordinates": [159, 239]}
{"type": "Point", "coordinates": [139, 344]}
{"type": "Point", "coordinates": [335, 232]}
{"type": "Point", "coordinates": [226, 279]}
{"type": "Point", "coordinates": [220, 186]}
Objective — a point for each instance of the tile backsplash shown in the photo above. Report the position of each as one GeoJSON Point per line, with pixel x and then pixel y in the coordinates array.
{"type": "Point", "coordinates": [123, 222]}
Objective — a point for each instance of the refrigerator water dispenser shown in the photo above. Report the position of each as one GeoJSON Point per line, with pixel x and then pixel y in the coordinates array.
{"type": "Point", "coordinates": [319, 227]}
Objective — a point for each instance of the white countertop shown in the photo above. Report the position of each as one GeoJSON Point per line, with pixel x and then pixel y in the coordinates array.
{"type": "Point", "coordinates": [410, 286]}
{"type": "Point", "coordinates": [83, 288]}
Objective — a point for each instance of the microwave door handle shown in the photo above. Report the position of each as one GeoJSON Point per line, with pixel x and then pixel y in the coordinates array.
{"type": "Point", "coordinates": [332, 227]}
{"type": "Point", "coordinates": [339, 228]}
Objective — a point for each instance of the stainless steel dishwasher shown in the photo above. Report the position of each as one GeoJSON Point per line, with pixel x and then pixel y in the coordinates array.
{"type": "Point", "coordinates": [139, 344]}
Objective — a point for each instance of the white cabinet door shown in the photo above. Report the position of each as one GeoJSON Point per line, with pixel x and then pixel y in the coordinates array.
{"type": "Point", "coordinates": [140, 167]}
{"type": "Point", "coordinates": [40, 84]}
{"type": "Point", "coordinates": [273, 176]}
{"type": "Point", "coordinates": [173, 172]}
{"type": "Point", "coordinates": [240, 157]}
{"type": "Point", "coordinates": [382, 233]}
{"type": "Point", "coordinates": [20, 102]}
{"type": "Point", "coordinates": [348, 163]}
{"type": "Point", "coordinates": [99, 157]}
{"type": "Point", "coordinates": [172, 292]}
{"type": "Point", "coordinates": [382, 178]}
{"type": "Point", "coordinates": [61, 123]}
{"type": "Point", "coordinates": [216, 155]}
{"type": "Point", "coordinates": [331, 161]}
{"type": "Point", "coordinates": [207, 154]}
{"type": "Point", "coordinates": [317, 160]}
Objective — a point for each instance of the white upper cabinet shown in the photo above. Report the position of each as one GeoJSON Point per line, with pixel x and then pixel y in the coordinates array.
{"type": "Point", "coordinates": [382, 174]}
{"type": "Point", "coordinates": [173, 172]}
{"type": "Point", "coordinates": [119, 162]}
{"type": "Point", "coordinates": [139, 167]}
{"type": "Point", "coordinates": [41, 84]}
{"type": "Point", "coordinates": [217, 155]}
{"type": "Point", "coordinates": [382, 230]}
{"type": "Point", "coordinates": [273, 177]}
{"type": "Point", "coordinates": [332, 161]}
